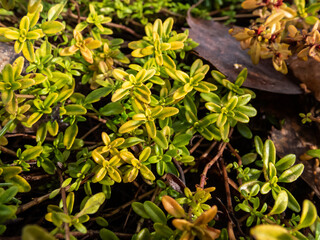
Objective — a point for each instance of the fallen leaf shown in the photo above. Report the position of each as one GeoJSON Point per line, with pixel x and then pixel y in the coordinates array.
{"type": "Point", "coordinates": [308, 73]}
{"type": "Point", "coordinates": [224, 52]}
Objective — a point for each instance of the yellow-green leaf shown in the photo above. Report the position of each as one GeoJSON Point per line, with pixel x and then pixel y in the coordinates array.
{"type": "Point", "coordinates": [129, 126]}
{"type": "Point", "coordinates": [70, 135]}
{"type": "Point", "coordinates": [52, 27]}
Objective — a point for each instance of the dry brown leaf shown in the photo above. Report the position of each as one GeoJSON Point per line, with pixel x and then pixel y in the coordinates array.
{"type": "Point", "coordinates": [224, 52]}
{"type": "Point", "coordinates": [308, 73]}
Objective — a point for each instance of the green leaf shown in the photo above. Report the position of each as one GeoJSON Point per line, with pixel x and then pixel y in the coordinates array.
{"type": "Point", "coordinates": [119, 74]}
{"type": "Point", "coordinates": [70, 135]}
{"type": "Point", "coordinates": [70, 199]}
{"type": "Point", "coordinates": [6, 127]}
{"type": "Point", "coordinates": [269, 153]}
{"type": "Point", "coordinates": [7, 212]}
{"type": "Point", "coordinates": [33, 5]}
{"type": "Point", "coordinates": [95, 95]}
{"type": "Point", "coordinates": [293, 203]}
{"type": "Point", "coordinates": [138, 208]}
{"type": "Point", "coordinates": [270, 232]}
{"type": "Point", "coordinates": [55, 11]}
{"type": "Point", "coordinates": [181, 140]}
{"type": "Point", "coordinates": [54, 193]}
{"type": "Point", "coordinates": [8, 73]}
{"type": "Point", "coordinates": [292, 173]}
{"type": "Point", "coordinates": [18, 66]}
{"type": "Point", "coordinates": [129, 126]}
{"type": "Point", "coordinates": [259, 145]}
{"type": "Point", "coordinates": [244, 130]}
{"type": "Point", "coordinates": [100, 174]}
{"type": "Point", "coordinates": [265, 188]}
{"type": "Point", "coordinates": [249, 158]}
{"type": "Point", "coordinates": [75, 109]}
{"type": "Point", "coordinates": [112, 109]}
{"type": "Point", "coordinates": [50, 99]}
{"type": "Point", "coordinates": [155, 213]}
{"type": "Point", "coordinates": [31, 153]}
{"type": "Point", "coordinates": [8, 194]}
{"type": "Point", "coordinates": [144, 234]}
{"type": "Point", "coordinates": [102, 222]}
{"type": "Point", "coordinates": [119, 94]}
{"type": "Point", "coordinates": [167, 112]}
{"type": "Point", "coordinates": [311, 20]}
{"type": "Point", "coordinates": [280, 204]}
{"type": "Point", "coordinates": [64, 95]}
{"type": "Point", "coordinates": [143, 94]}
{"type": "Point", "coordinates": [12, 34]}
{"type": "Point", "coordinates": [163, 230]}
{"type": "Point", "coordinates": [285, 162]}
{"type": "Point", "coordinates": [161, 140]}
{"type": "Point", "coordinates": [52, 27]}
{"type": "Point", "coordinates": [9, 172]}
{"type": "Point", "coordinates": [106, 234]}
{"type": "Point", "coordinates": [80, 227]}
{"type": "Point", "coordinates": [33, 119]}
{"type": "Point", "coordinates": [308, 215]}
{"type": "Point", "coordinates": [28, 51]}
{"type": "Point", "coordinates": [151, 128]}
{"type": "Point", "coordinates": [81, 26]}
{"type": "Point", "coordinates": [93, 204]}
{"type": "Point", "coordinates": [131, 141]}
{"type": "Point", "coordinates": [147, 173]}
{"type": "Point", "coordinates": [20, 182]}
{"type": "Point", "coordinates": [144, 155]}
{"type": "Point", "coordinates": [314, 153]}
{"type": "Point", "coordinates": [53, 127]}
{"type": "Point", "coordinates": [34, 232]}
{"type": "Point", "coordinates": [189, 104]}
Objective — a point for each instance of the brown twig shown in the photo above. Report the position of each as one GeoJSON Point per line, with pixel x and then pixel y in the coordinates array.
{"type": "Point", "coordinates": [167, 11]}
{"type": "Point", "coordinates": [196, 145]}
{"type": "Point", "coordinates": [127, 29]}
{"type": "Point", "coordinates": [236, 154]}
{"type": "Point", "coordinates": [90, 131]}
{"type": "Point", "coordinates": [110, 24]}
{"type": "Point", "coordinates": [206, 153]}
{"type": "Point", "coordinates": [192, 7]}
{"type": "Point", "coordinates": [128, 215]}
{"type": "Point", "coordinates": [38, 200]}
{"type": "Point", "coordinates": [8, 151]}
{"type": "Point", "coordinates": [64, 202]}
{"type": "Point", "coordinates": [182, 177]}
{"type": "Point", "coordinates": [117, 210]}
{"type": "Point", "coordinates": [77, 8]}
{"type": "Point", "coordinates": [24, 135]}
{"type": "Point", "coordinates": [229, 200]}
{"type": "Point", "coordinates": [32, 203]}
{"type": "Point", "coordinates": [214, 12]}
{"type": "Point", "coordinates": [95, 146]}
{"type": "Point", "coordinates": [236, 16]}
{"type": "Point", "coordinates": [222, 147]}
{"type": "Point", "coordinates": [96, 118]}
{"type": "Point", "coordinates": [92, 234]}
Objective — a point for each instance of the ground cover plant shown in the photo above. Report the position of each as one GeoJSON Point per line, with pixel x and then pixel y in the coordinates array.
{"type": "Point", "coordinates": [114, 128]}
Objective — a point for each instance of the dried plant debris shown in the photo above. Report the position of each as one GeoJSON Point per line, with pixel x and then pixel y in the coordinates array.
{"type": "Point", "coordinates": [216, 44]}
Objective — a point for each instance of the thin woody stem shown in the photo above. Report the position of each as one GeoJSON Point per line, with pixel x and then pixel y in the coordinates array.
{"type": "Point", "coordinates": [64, 202]}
